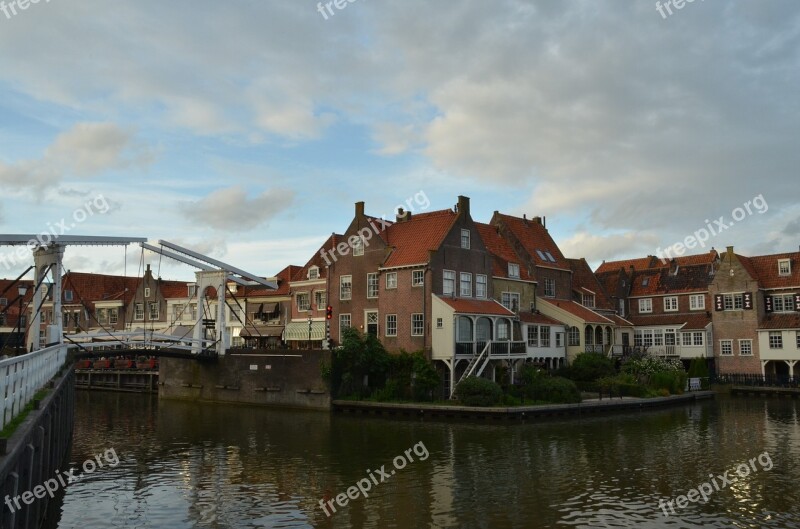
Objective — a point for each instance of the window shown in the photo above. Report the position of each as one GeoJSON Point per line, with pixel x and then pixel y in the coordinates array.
{"type": "Point", "coordinates": [544, 335]}
{"type": "Point", "coordinates": [102, 316]}
{"type": "Point", "coordinates": [346, 287]}
{"type": "Point", "coordinates": [559, 340]}
{"type": "Point", "coordinates": [177, 312]}
{"type": "Point", "coordinates": [138, 311]}
{"type": "Point", "coordinates": [671, 304]}
{"type": "Point", "coordinates": [480, 286]}
{"type": "Point", "coordinates": [783, 303]}
{"type": "Point", "coordinates": [746, 347]}
{"type": "Point", "coordinates": [147, 292]}
{"type": "Point", "coordinates": [658, 337]}
{"type": "Point", "coordinates": [670, 337]}
{"type": "Point", "coordinates": [193, 310]}
{"type": "Point", "coordinates": [645, 305]}
{"type": "Point", "coordinates": [321, 299]}
{"type": "Point", "coordinates": [192, 290]}
{"type": "Point", "coordinates": [533, 336]}
{"type": "Point", "coordinates": [391, 280]}
{"type": "Point", "coordinates": [372, 285]}
{"type": "Point", "coordinates": [313, 272]}
{"type": "Point", "coordinates": [417, 278]}
{"type": "Point", "coordinates": [358, 246]}
{"type": "Point", "coordinates": [784, 267]}
{"type": "Point", "coordinates": [698, 338]}
{"type": "Point", "coordinates": [797, 339]}
{"type": "Point", "coordinates": [303, 302]}
{"type": "Point", "coordinates": [510, 300]}
{"type": "Point", "coordinates": [68, 295]}
{"type": "Point", "coordinates": [417, 324]}
{"type": "Point", "coordinates": [465, 239]}
{"type": "Point", "coordinates": [726, 347]}
{"type": "Point", "coordinates": [687, 338]}
{"type": "Point", "coordinates": [776, 340]}
{"type": "Point", "coordinates": [449, 283]}
{"type": "Point", "coordinates": [113, 315]}
{"type": "Point", "coordinates": [549, 288]}
{"type": "Point", "coordinates": [153, 310]}
{"type": "Point", "coordinates": [733, 301]}
{"type": "Point", "coordinates": [391, 325]}
{"type": "Point", "coordinates": [622, 308]}
{"type": "Point", "coordinates": [588, 300]}
{"type": "Point", "coordinates": [513, 270]}
{"type": "Point", "coordinates": [697, 302]}
{"type": "Point", "coordinates": [439, 323]}
{"type": "Point", "coordinates": [574, 337]}
{"type": "Point", "coordinates": [466, 285]}
{"type": "Point", "coordinates": [502, 330]}
{"type": "Point", "coordinates": [344, 323]}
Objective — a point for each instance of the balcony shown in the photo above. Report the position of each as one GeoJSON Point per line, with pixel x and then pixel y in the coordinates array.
{"type": "Point", "coordinates": [503, 349]}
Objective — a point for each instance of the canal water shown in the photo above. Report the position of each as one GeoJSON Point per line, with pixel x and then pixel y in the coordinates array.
{"type": "Point", "coordinates": [183, 465]}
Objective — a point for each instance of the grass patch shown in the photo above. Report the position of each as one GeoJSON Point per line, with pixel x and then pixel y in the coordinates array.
{"type": "Point", "coordinates": [11, 427]}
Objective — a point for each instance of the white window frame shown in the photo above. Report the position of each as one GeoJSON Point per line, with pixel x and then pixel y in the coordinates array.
{"type": "Point", "coordinates": [345, 293]}
{"type": "Point", "coordinates": [549, 287]}
{"type": "Point", "coordinates": [481, 284]}
{"type": "Point", "coordinates": [391, 280]}
{"type": "Point", "coordinates": [391, 325]}
{"type": "Point", "coordinates": [645, 305]}
{"type": "Point", "coordinates": [154, 315]}
{"type": "Point", "coordinates": [417, 324]}
{"type": "Point", "coordinates": [448, 277]}
{"type": "Point", "coordinates": [465, 280]}
{"type": "Point", "coordinates": [589, 300]}
{"type": "Point", "coordinates": [373, 285]}
{"type": "Point", "coordinates": [343, 326]}
{"type": "Point", "coordinates": [726, 344]}
{"type": "Point", "coordinates": [776, 340]}
{"type": "Point", "coordinates": [147, 292]}
{"type": "Point", "coordinates": [513, 270]}
{"type": "Point", "coordinates": [742, 343]}
{"type": "Point", "coordinates": [783, 303]}
{"type": "Point", "coordinates": [307, 305]}
{"type": "Point", "coordinates": [574, 337]}
{"type": "Point", "coordinates": [733, 301]}
{"type": "Point", "coordinates": [511, 296]}
{"type": "Point", "coordinates": [698, 338]}
{"type": "Point", "coordinates": [788, 270]}
{"type": "Point", "coordinates": [113, 315]}
{"type": "Point", "coordinates": [697, 302]}
{"type": "Point", "coordinates": [313, 272]}
{"type": "Point", "coordinates": [320, 299]}
{"type": "Point", "coordinates": [67, 297]}
{"type": "Point", "coordinates": [671, 304]}
{"type": "Point", "coordinates": [417, 278]}
{"type": "Point", "coordinates": [138, 311]}
{"type": "Point", "coordinates": [358, 246]}
{"type": "Point", "coordinates": [544, 336]}
{"type": "Point", "coordinates": [533, 336]}
{"type": "Point", "coordinates": [465, 239]}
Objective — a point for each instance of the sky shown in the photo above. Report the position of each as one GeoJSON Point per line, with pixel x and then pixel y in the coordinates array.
{"type": "Point", "coordinates": [248, 129]}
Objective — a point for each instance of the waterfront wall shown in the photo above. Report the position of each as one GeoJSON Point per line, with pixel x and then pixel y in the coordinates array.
{"type": "Point", "coordinates": [35, 451]}
{"type": "Point", "coordinates": [290, 378]}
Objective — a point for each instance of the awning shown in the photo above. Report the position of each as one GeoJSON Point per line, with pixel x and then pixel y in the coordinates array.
{"type": "Point", "coordinates": [268, 308]}
{"type": "Point", "coordinates": [258, 331]}
{"type": "Point", "coordinates": [298, 331]}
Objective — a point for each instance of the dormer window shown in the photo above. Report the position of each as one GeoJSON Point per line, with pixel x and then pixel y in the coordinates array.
{"type": "Point", "coordinates": [465, 239]}
{"type": "Point", "coordinates": [588, 300]}
{"type": "Point", "coordinates": [68, 296]}
{"type": "Point", "coordinates": [192, 290]}
{"type": "Point", "coordinates": [313, 272]}
{"type": "Point", "coordinates": [784, 267]}
{"type": "Point", "coordinates": [513, 270]}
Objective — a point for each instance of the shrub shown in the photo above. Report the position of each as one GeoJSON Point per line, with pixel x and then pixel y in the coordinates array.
{"type": "Point", "coordinates": [557, 390]}
{"type": "Point", "coordinates": [476, 391]}
{"type": "Point", "coordinates": [644, 368]}
{"type": "Point", "coordinates": [588, 367]}
{"type": "Point", "coordinates": [622, 384]}
{"type": "Point", "coordinates": [671, 381]}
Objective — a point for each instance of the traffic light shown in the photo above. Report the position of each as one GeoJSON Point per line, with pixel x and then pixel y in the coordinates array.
{"type": "Point", "coordinates": [329, 313]}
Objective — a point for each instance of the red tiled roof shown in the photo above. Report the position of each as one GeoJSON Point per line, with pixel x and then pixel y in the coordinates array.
{"type": "Point", "coordinates": [685, 321]}
{"type": "Point", "coordinates": [766, 269]}
{"type": "Point", "coordinates": [412, 240]}
{"type": "Point", "coordinates": [88, 288]}
{"type": "Point", "coordinates": [476, 306]}
{"type": "Point", "coordinates": [583, 278]}
{"type": "Point", "coordinates": [283, 278]}
{"type": "Point", "coordinates": [587, 315]}
{"type": "Point", "coordinates": [539, 318]}
{"type": "Point", "coordinates": [301, 274]}
{"type": "Point", "coordinates": [534, 236]}
{"type": "Point", "coordinates": [780, 321]}
{"type": "Point", "coordinates": [619, 320]}
{"type": "Point", "coordinates": [502, 252]}
{"type": "Point", "coordinates": [651, 261]}
{"type": "Point", "coordinates": [173, 289]}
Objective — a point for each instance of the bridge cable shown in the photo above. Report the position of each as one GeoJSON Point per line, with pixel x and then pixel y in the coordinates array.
{"type": "Point", "coordinates": [244, 324]}
{"type": "Point", "coordinates": [9, 305]}
{"type": "Point", "coordinates": [93, 314]}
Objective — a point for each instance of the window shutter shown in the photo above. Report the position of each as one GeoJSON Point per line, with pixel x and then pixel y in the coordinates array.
{"type": "Point", "coordinates": [718, 305]}
{"type": "Point", "coordinates": [748, 301]}
{"type": "Point", "coordinates": [797, 302]}
{"type": "Point", "coordinates": [768, 303]}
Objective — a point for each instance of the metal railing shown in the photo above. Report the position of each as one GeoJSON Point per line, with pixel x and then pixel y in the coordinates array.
{"type": "Point", "coordinates": [773, 381]}
{"type": "Point", "coordinates": [22, 376]}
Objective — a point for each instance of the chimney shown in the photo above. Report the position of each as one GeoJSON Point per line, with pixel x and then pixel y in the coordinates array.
{"type": "Point", "coordinates": [537, 220]}
{"type": "Point", "coordinates": [730, 254]}
{"type": "Point", "coordinates": [360, 209]}
{"type": "Point", "coordinates": [463, 206]}
{"type": "Point", "coordinates": [403, 215]}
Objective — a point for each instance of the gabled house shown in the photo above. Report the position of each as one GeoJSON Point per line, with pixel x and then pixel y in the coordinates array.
{"type": "Point", "coordinates": [267, 311]}
{"type": "Point", "coordinates": [667, 302]}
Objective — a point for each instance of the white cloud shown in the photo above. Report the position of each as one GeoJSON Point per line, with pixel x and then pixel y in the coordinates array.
{"type": "Point", "coordinates": [231, 209]}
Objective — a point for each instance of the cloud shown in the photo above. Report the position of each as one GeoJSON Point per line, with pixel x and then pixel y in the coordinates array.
{"type": "Point", "coordinates": [231, 209]}
{"type": "Point", "coordinates": [86, 150]}
{"type": "Point", "coordinates": [596, 248]}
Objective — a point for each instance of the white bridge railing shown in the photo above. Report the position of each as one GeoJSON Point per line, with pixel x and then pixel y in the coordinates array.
{"type": "Point", "coordinates": [22, 376]}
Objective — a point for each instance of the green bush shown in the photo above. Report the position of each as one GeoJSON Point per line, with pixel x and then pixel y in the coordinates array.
{"type": "Point", "coordinates": [671, 381]}
{"type": "Point", "coordinates": [557, 390]}
{"type": "Point", "coordinates": [476, 391]}
{"type": "Point", "coordinates": [588, 367]}
{"type": "Point", "coordinates": [698, 368]}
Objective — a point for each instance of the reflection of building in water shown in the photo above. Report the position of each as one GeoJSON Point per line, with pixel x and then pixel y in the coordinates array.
{"type": "Point", "coordinates": [442, 482]}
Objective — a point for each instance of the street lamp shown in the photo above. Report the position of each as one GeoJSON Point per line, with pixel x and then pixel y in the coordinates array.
{"type": "Point", "coordinates": [22, 290]}
{"type": "Point", "coordinates": [310, 313]}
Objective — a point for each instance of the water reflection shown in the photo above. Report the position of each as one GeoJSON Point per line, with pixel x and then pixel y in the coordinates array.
{"type": "Point", "coordinates": [188, 465]}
